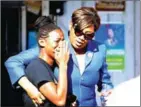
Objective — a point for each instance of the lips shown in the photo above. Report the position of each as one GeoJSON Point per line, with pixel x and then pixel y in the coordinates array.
{"type": "Point", "coordinates": [79, 43]}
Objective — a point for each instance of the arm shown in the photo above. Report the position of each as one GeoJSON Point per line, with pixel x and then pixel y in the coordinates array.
{"type": "Point", "coordinates": [16, 65]}
{"type": "Point", "coordinates": [57, 93]}
{"type": "Point", "coordinates": [104, 81]}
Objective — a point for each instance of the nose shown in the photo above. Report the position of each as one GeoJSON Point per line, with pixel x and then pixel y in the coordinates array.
{"type": "Point", "coordinates": [82, 37]}
{"type": "Point", "coordinates": [60, 43]}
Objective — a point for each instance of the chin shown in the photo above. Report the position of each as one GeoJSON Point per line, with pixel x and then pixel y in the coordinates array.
{"type": "Point", "coordinates": [76, 47]}
{"type": "Point", "coordinates": [79, 47]}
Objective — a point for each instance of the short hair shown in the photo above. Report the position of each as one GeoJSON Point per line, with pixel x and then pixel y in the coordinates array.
{"type": "Point", "coordinates": [85, 17]}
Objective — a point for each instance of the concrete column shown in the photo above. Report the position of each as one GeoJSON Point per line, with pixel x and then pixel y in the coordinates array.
{"type": "Point", "coordinates": [23, 27]}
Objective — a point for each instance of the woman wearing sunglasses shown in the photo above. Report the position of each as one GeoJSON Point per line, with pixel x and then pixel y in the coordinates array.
{"type": "Point", "coordinates": [87, 63]}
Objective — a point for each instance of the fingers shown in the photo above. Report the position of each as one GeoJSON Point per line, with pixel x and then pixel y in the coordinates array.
{"type": "Point", "coordinates": [63, 47]}
{"type": "Point", "coordinates": [42, 97]}
{"type": "Point", "coordinates": [67, 47]}
{"type": "Point", "coordinates": [106, 98]}
{"type": "Point", "coordinates": [101, 94]}
{"type": "Point", "coordinates": [36, 105]}
{"type": "Point", "coordinates": [74, 104]}
{"type": "Point", "coordinates": [65, 52]}
{"type": "Point", "coordinates": [38, 100]}
{"type": "Point", "coordinates": [60, 48]}
{"type": "Point", "coordinates": [62, 55]}
{"type": "Point", "coordinates": [106, 93]}
{"type": "Point", "coordinates": [56, 52]}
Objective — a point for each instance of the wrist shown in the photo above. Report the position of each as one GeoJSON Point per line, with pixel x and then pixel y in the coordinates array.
{"type": "Point", "coordinates": [62, 64]}
{"type": "Point", "coordinates": [25, 84]}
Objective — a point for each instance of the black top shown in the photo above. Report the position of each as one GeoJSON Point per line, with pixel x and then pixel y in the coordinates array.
{"type": "Point", "coordinates": [38, 72]}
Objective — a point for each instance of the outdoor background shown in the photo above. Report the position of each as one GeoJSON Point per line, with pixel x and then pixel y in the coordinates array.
{"type": "Point", "coordinates": [17, 34]}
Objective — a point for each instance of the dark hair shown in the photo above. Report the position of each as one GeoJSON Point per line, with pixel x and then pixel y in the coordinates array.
{"type": "Point", "coordinates": [85, 17]}
{"type": "Point", "coordinates": [44, 25]}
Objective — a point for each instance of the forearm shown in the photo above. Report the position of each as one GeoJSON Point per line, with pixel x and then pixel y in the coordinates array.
{"type": "Point", "coordinates": [105, 79]}
{"type": "Point", "coordinates": [31, 90]}
{"type": "Point", "coordinates": [16, 64]}
{"type": "Point", "coordinates": [14, 69]}
{"type": "Point", "coordinates": [56, 93]}
{"type": "Point", "coordinates": [62, 82]}
{"type": "Point", "coordinates": [25, 84]}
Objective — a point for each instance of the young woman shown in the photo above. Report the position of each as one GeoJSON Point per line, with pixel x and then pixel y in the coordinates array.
{"type": "Point", "coordinates": [52, 47]}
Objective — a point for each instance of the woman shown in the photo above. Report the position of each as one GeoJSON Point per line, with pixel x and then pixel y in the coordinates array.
{"type": "Point", "coordinates": [111, 41]}
{"type": "Point", "coordinates": [87, 64]}
{"type": "Point", "coordinates": [40, 70]}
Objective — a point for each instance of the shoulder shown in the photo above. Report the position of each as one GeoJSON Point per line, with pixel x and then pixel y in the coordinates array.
{"type": "Point", "coordinates": [35, 65]}
{"type": "Point", "coordinates": [98, 44]}
{"type": "Point", "coordinates": [101, 47]}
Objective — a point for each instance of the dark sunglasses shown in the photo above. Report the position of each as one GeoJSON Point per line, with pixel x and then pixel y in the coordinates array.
{"type": "Point", "coordinates": [86, 36]}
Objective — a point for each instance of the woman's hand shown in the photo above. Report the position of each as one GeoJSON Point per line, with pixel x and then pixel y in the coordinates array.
{"type": "Point", "coordinates": [35, 95]}
{"type": "Point", "coordinates": [105, 94]}
{"type": "Point", "coordinates": [74, 104]}
{"type": "Point", "coordinates": [31, 90]}
{"type": "Point", "coordinates": [62, 53]}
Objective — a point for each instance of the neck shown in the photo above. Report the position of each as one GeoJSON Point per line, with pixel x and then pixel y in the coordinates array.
{"type": "Point", "coordinates": [80, 51]}
{"type": "Point", "coordinates": [43, 55]}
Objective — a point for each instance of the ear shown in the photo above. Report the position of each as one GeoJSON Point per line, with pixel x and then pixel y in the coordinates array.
{"type": "Point", "coordinates": [41, 42]}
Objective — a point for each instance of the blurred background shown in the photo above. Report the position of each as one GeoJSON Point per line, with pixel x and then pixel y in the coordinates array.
{"type": "Point", "coordinates": [18, 34]}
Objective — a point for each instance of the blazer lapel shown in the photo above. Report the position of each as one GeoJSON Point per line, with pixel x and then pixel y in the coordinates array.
{"type": "Point", "coordinates": [92, 48]}
{"type": "Point", "coordinates": [72, 55]}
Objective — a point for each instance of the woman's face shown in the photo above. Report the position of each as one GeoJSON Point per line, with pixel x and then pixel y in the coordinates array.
{"type": "Point", "coordinates": [110, 33]}
{"type": "Point", "coordinates": [52, 41]}
{"type": "Point", "coordinates": [79, 39]}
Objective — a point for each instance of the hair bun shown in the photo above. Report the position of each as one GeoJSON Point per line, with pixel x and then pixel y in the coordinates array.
{"type": "Point", "coordinates": [42, 20]}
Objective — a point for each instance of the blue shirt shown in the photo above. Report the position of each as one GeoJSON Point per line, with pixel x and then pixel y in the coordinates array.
{"type": "Point", "coordinates": [83, 86]}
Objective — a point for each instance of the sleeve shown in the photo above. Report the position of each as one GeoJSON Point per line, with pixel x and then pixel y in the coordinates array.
{"type": "Point", "coordinates": [105, 82]}
{"type": "Point", "coordinates": [15, 65]}
{"type": "Point", "coordinates": [38, 74]}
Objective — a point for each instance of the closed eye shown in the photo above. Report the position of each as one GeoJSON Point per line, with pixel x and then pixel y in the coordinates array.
{"type": "Point", "coordinates": [57, 40]}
